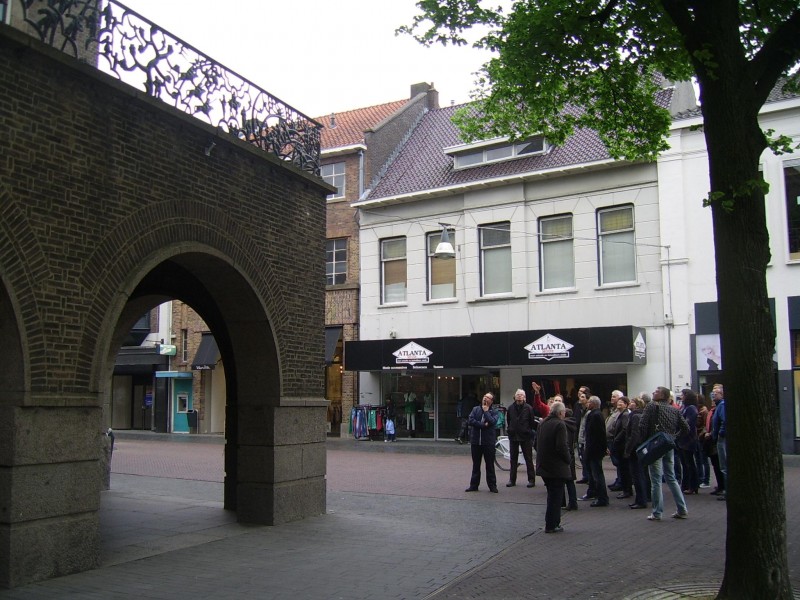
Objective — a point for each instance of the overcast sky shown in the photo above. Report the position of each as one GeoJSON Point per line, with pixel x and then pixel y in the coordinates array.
{"type": "Point", "coordinates": [319, 56]}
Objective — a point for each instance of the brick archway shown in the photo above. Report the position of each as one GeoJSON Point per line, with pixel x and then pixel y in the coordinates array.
{"type": "Point", "coordinates": [111, 205]}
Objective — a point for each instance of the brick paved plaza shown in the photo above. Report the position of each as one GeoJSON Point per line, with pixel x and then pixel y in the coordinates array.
{"type": "Point", "coordinates": [399, 525]}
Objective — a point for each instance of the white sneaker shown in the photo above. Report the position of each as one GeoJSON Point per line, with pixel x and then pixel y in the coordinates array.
{"type": "Point", "coordinates": [704, 485]}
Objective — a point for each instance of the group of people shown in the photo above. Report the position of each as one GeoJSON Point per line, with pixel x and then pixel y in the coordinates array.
{"type": "Point", "coordinates": [557, 431]}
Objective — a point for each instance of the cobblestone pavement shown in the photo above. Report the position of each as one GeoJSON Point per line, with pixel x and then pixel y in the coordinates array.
{"type": "Point", "coordinates": [398, 525]}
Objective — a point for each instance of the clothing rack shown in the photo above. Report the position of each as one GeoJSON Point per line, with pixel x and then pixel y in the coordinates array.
{"type": "Point", "coordinates": [367, 421]}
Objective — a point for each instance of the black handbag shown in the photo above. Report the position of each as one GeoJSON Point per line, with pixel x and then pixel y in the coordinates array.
{"type": "Point", "coordinates": [655, 447]}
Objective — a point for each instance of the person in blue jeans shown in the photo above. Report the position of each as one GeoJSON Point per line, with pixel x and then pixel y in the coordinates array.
{"type": "Point", "coordinates": [718, 434]}
{"type": "Point", "coordinates": [483, 435]}
{"type": "Point", "coordinates": [660, 416]}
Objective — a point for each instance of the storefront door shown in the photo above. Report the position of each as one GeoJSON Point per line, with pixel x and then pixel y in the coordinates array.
{"type": "Point", "coordinates": [182, 403]}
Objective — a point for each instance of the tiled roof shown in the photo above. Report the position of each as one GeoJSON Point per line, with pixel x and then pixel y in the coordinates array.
{"type": "Point", "coordinates": [422, 164]}
{"type": "Point", "coordinates": [777, 94]}
{"type": "Point", "coordinates": [780, 93]}
{"type": "Point", "coordinates": [350, 125]}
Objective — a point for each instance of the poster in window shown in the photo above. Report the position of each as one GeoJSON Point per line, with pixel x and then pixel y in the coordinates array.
{"type": "Point", "coordinates": [709, 357]}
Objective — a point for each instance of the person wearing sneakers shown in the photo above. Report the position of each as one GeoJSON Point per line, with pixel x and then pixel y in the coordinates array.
{"type": "Point", "coordinates": [659, 415]}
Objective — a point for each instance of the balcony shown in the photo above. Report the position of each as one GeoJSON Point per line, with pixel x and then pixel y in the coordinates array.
{"type": "Point", "coordinates": [123, 43]}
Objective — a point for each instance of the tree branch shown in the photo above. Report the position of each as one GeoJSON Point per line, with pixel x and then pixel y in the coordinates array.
{"type": "Point", "coordinates": [603, 16]}
{"type": "Point", "coordinates": [681, 14]}
{"type": "Point", "coordinates": [780, 51]}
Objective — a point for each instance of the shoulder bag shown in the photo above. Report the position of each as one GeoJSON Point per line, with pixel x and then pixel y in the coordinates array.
{"type": "Point", "coordinates": [656, 446]}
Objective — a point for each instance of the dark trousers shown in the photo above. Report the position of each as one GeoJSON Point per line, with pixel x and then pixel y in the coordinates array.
{"type": "Point", "coordinates": [487, 454]}
{"type": "Point", "coordinates": [584, 468]}
{"type": "Point", "coordinates": [689, 467]}
{"type": "Point", "coordinates": [572, 493]}
{"type": "Point", "coordinates": [597, 480]}
{"type": "Point", "coordinates": [641, 484]}
{"type": "Point", "coordinates": [555, 497]}
{"type": "Point", "coordinates": [718, 472]}
{"type": "Point", "coordinates": [527, 453]}
{"type": "Point", "coordinates": [615, 460]}
{"type": "Point", "coordinates": [625, 477]}
{"type": "Point", "coordinates": [703, 466]}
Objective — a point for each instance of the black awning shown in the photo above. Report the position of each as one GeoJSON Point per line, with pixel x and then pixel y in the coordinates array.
{"type": "Point", "coordinates": [625, 344]}
{"type": "Point", "coordinates": [207, 354]}
{"type": "Point", "coordinates": [332, 337]}
{"type": "Point", "coordinates": [138, 355]}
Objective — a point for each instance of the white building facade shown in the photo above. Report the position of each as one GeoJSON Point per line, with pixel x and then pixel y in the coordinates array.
{"type": "Point", "coordinates": [570, 269]}
{"type": "Point", "coordinates": [686, 229]}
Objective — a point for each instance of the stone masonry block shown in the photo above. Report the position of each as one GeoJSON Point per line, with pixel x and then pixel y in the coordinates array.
{"type": "Point", "coordinates": [274, 504]}
{"type": "Point", "coordinates": [268, 464]}
{"type": "Point", "coordinates": [255, 503]}
{"type": "Point", "coordinates": [299, 499]}
{"type": "Point", "coordinates": [288, 463]}
{"type": "Point", "coordinates": [255, 464]}
{"type": "Point", "coordinates": [256, 425]}
{"type": "Point", "coordinates": [296, 425]}
{"type": "Point", "coordinates": [49, 548]}
{"type": "Point", "coordinates": [47, 491]}
{"type": "Point", "coordinates": [35, 435]}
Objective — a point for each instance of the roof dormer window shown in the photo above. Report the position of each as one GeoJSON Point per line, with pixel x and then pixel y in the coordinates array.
{"type": "Point", "coordinates": [495, 150]}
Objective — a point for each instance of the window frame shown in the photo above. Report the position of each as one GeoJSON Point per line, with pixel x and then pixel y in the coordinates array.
{"type": "Point", "coordinates": [482, 153]}
{"type": "Point", "coordinates": [788, 187]}
{"type": "Point", "coordinates": [184, 345]}
{"type": "Point", "coordinates": [491, 250]}
{"type": "Point", "coordinates": [332, 178]}
{"type": "Point", "coordinates": [390, 260]}
{"type": "Point", "coordinates": [440, 265]}
{"type": "Point", "coordinates": [544, 243]}
{"type": "Point", "coordinates": [331, 274]}
{"type": "Point", "coordinates": [604, 240]}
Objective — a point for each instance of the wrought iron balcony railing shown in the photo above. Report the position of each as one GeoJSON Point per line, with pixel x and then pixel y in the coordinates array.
{"type": "Point", "coordinates": [121, 42]}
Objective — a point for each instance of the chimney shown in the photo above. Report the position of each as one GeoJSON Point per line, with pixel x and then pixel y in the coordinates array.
{"type": "Point", "coordinates": [432, 100]}
{"type": "Point", "coordinates": [333, 120]}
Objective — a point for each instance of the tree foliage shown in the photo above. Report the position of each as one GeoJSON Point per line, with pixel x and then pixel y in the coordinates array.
{"type": "Point", "coordinates": [561, 65]}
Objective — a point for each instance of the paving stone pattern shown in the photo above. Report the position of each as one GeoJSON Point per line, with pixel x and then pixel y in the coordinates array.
{"type": "Point", "coordinates": [398, 525]}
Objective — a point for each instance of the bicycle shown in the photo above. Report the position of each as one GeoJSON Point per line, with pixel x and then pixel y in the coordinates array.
{"type": "Point", "coordinates": [502, 454]}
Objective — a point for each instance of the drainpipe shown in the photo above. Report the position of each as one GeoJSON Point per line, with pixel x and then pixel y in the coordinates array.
{"type": "Point", "coordinates": [360, 173]}
{"type": "Point", "coordinates": [669, 320]}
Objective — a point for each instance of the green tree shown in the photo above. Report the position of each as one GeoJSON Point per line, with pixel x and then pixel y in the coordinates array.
{"type": "Point", "coordinates": [562, 64]}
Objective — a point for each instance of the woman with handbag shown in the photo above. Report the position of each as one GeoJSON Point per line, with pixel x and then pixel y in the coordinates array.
{"type": "Point", "coordinates": [659, 417]}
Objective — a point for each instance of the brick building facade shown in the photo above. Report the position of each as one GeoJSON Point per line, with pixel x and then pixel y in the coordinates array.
{"type": "Point", "coordinates": [112, 204]}
{"type": "Point", "coordinates": [357, 146]}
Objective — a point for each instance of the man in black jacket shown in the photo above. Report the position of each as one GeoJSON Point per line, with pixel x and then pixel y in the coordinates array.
{"type": "Point", "coordinates": [595, 451]}
{"type": "Point", "coordinates": [519, 426]}
{"type": "Point", "coordinates": [553, 463]}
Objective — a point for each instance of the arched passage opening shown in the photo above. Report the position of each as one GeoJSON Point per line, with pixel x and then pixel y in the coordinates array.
{"type": "Point", "coordinates": [267, 468]}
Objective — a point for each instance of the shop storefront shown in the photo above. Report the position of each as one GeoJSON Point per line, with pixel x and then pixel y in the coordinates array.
{"type": "Point", "coordinates": [434, 382]}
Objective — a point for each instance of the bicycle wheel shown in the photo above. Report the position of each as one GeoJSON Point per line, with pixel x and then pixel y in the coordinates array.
{"type": "Point", "coordinates": [501, 457]}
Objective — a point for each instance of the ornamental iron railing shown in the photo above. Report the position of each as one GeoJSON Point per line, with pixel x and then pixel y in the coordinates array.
{"type": "Point", "coordinates": [121, 42]}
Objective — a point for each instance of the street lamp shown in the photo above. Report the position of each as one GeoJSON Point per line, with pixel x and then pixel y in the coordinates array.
{"type": "Point", "coordinates": [445, 248]}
